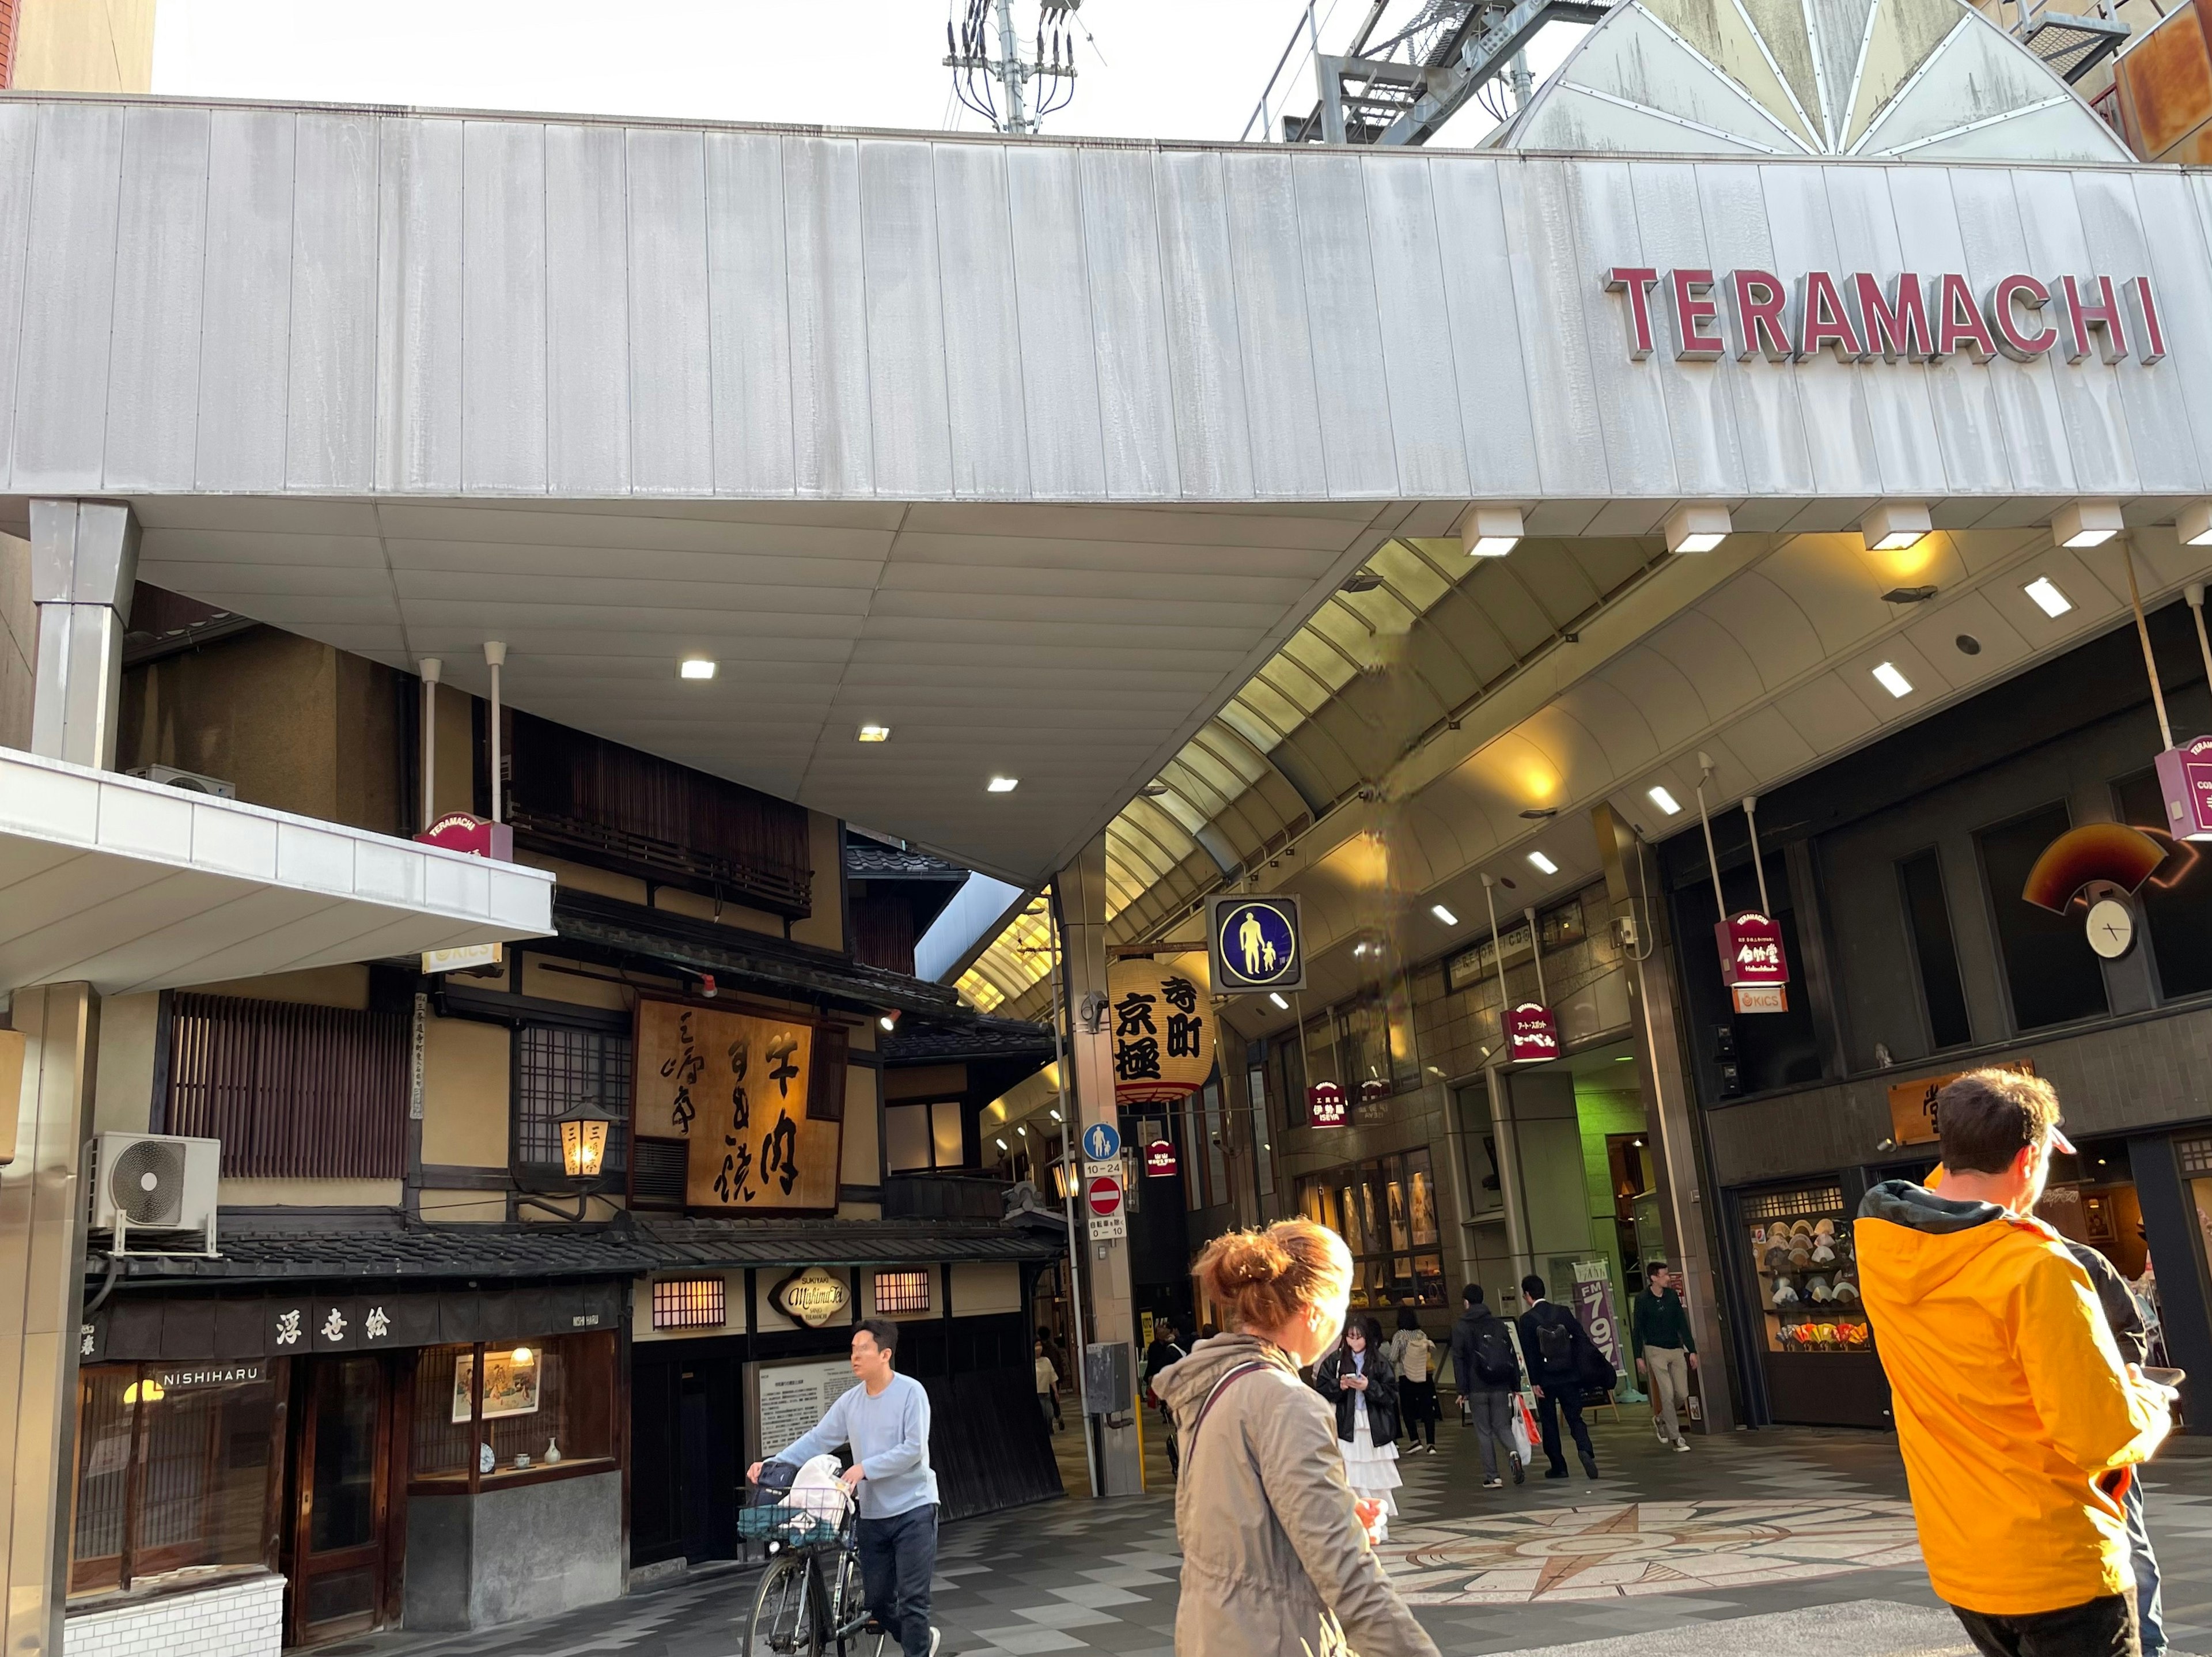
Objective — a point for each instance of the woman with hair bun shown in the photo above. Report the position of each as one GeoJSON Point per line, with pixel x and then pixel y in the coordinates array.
{"type": "Point", "coordinates": [1272, 1536]}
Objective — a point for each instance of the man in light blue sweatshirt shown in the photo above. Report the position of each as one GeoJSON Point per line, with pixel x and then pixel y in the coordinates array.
{"type": "Point", "coordinates": [886, 1421]}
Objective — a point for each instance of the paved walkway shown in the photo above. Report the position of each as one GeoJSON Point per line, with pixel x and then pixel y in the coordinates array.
{"type": "Point", "coordinates": [1754, 1544]}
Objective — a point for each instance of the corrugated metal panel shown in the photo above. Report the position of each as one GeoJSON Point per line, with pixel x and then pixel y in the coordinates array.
{"type": "Point", "coordinates": [587, 311]}
{"type": "Point", "coordinates": [246, 323]}
{"type": "Point", "coordinates": [670, 362]}
{"type": "Point", "coordinates": [331, 422]}
{"type": "Point", "coordinates": [154, 370]}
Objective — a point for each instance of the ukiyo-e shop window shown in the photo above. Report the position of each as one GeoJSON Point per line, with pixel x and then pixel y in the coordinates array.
{"type": "Point", "coordinates": [175, 1469]}
{"type": "Point", "coordinates": [545, 1403]}
{"type": "Point", "coordinates": [1386, 1212]}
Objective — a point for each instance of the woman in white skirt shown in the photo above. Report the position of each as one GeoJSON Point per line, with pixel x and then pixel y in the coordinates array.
{"type": "Point", "coordinates": [1357, 1378]}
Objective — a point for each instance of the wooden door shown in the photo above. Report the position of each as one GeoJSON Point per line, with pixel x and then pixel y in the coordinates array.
{"type": "Point", "coordinates": [340, 1528]}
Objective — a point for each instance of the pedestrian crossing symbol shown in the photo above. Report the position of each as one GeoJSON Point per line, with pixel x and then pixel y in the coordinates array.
{"type": "Point", "coordinates": [1255, 944]}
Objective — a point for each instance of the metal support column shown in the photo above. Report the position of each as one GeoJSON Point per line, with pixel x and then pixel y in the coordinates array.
{"type": "Point", "coordinates": [1672, 1122]}
{"type": "Point", "coordinates": [84, 562]}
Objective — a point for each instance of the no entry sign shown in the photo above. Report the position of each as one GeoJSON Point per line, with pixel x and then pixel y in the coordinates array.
{"type": "Point", "coordinates": [1104, 1196]}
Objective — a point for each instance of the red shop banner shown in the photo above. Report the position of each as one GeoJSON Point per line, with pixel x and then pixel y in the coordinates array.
{"type": "Point", "coordinates": [1751, 950]}
{"type": "Point", "coordinates": [1160, 1159]}
{"type": "Point", "coordinates": [1325, 1104]}
{"type": "Point", "coordinates": [1531, 1033]}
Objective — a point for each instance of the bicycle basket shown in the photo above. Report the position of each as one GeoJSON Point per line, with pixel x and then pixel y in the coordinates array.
{"type": "Point", "coordinates": [775, 1513]}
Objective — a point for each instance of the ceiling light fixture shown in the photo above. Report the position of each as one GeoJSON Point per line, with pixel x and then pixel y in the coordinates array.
{"type": "Point", "coordinates": [1893, 526]}
{"type": "Point", "coordinates": [1491, 532]}
{"type": "Point", "coordinates": [2194, 525]}
{"type": "Point", "coordinates": [1544, 865]}
{"type": "Point", "coordinates": [1003, 784]}
{"type": "Point", "coordinates": [1276, 998]}
{"type": "Point", "coordinates": [873, 734]}
{"type": "Point", "coordinates": [696, 667]}
{"type": "Point", "coordinates": [2085, 523]}
{"type": "Point", "coordinates": [1360, 580]}
{"type": "Point", "coordinates": [1153, 790]}
{"type": "Point", "coordinates": [1540, 814]}
{"type": "Point", "coordinates": [1696, 528]}
{"type": "Point", "coordinates": [1890, 679]}
{"type": "Point", "coordinates": [1443, 914]}
{"type": "Point", "coordinates": [1908, 595]}
{"type": "Point", "coordinates": [1666, 803]}
{"type": "Point", "coordinates": [1057, 1117]}
{"type": "Point", "coordinates": [2048, 598]}
{"type": "Point", "coordinates": [1000, 1142]}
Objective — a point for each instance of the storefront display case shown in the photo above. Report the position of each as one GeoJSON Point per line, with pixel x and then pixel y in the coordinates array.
{"type": "Point", "coordinates": [1816, 1342]}
{"type": "Point", "coordinates": [1386, 1212]}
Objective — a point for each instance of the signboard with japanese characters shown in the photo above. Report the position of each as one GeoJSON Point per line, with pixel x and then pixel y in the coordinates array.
{"type": "Point", "coordinates": [1325, 1104]}
{"type": "Point", "coordinates": [2184, 778]}
{"type": "Point", "coordinates": [737, 1087]}
{"type": "Point", "coordinates": [1161, 1020]}
{"type": "Point", "coordinates": [1912, 1104]}
{"type": "Point", "coordinates": [1160, 1159]}
{"type": "Point", "coordinates": [1751, 949]}
{"type": "Point", "coordinates": [1531, 1033]}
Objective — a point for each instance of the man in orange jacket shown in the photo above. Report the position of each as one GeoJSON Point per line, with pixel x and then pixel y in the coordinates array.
{"type": "Point", "coordinates": [2017, 1417]}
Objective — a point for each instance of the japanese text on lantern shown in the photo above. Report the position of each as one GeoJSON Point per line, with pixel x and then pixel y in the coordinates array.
{"type": "Point", "coordinates": [1159, 1021]}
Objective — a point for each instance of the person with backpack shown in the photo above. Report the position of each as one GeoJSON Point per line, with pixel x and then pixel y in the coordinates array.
{"type": "Point", "coordinates": [1562, 1364]}
{"type": "Point", "coordinates": [1164, 1350]}
{"type": "Point", "coordinates": [1413, 1354]}
{"type": "Point", "coordinates": [1272, 1535]}
{"type": "Point", "coordinates": [1487, 1375]}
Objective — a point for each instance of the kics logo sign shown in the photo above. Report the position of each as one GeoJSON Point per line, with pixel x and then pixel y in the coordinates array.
{"type": "Point", "coordinates": [1706, 315]}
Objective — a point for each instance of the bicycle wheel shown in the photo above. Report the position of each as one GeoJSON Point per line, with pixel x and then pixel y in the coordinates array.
{"type": "Point", "coordinates": [783, 1622]}
{"type": "Point", "coordinates": [852, 1602]}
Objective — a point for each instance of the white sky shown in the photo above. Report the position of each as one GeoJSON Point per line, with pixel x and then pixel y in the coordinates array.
{"type": "Point", "coordinates": [1191, 69]}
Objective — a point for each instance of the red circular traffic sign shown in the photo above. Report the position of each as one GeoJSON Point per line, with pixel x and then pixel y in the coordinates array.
{"type": "Point", "coordinates": [1104, 1196]}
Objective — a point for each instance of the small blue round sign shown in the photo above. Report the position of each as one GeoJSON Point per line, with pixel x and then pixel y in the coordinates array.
{"type": "Point", "coordinates": [1101, 1141]}
{"type": "Point", "coordinates": [1258, 943]}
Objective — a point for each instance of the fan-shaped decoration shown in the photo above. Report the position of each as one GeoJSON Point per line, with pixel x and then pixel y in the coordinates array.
{"type": "Point", "coordinates": [2095, 851]}
{"type": "Point", "coordinates": [1925, 80]}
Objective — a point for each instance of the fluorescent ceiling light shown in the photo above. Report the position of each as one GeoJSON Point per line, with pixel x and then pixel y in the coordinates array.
{"type": "Point", "coordinates": [1001, 1144]}
{"type": "Point", "coordinates": [1696, 528]}
{"type": "Point", "coordinates": [1279, 1001]}
{"type": "Point", "coordinates": [1891, 680]}
{"type": "Point", "coordinates": [1003, 784]}
{"type": "Point", "coordinates": [694, 667]}
{"type": "Point", "coordinates": [2085, 523]}
{"type": "Point", "coordinates": [1544, 864]}
{"type": "Point", "coordinates": [1893, 526]}
{"type": "Point", "coordinates": [1491, 532]}
{"type": "Point", "coordinates": [2048, 598]}
{"type": "Point", "coordinates": [2195, 525]}
{"type": "Point", "coordinates": [873, 734]}
{"type": "Point", "coordinates": [1443, 914]}
{"type": "Point", "coordinates": [1056, 1115]}
{"type": "Point", "coordinates": [1666, 801]}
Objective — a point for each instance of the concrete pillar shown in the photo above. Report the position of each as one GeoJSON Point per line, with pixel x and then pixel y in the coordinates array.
{"type": "Point", "coordinates": [1672, 1122]}
{"type": "Point", "coordinates": [84, 562]}
{"type": "Point", "coordinates": [1080, 895]}
{"type": "Point", "coordinates": [41, 1299]}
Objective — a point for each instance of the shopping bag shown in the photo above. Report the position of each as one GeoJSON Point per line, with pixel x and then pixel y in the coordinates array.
{"type": "Point", "coordinates": [1524, 1432]}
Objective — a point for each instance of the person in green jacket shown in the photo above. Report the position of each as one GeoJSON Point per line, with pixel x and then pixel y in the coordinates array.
{"type": "Point", "coordinates": [1665, 1352]}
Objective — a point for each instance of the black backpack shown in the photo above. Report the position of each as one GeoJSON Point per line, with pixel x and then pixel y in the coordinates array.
{"type": "Point", "coordinates": [1494, 1363]}
{"type": "Point", "coordinates": [1555, 1345]}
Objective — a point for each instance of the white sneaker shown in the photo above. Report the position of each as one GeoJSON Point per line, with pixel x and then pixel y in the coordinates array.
{"type": "Point", "coordinates": [1683, 1446]}
{"type": "Point", "coordinates": [936, 1636]}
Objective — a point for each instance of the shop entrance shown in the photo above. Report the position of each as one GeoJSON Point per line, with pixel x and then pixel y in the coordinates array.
{"type": "Point", "coordinates": [686, 1410]}
{"type": "Point", "coordinates": [341, 1490]}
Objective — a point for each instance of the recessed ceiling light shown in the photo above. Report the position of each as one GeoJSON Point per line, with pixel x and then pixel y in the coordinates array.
{"type": "Point", "coordinates": [1890, 679]}
{"type": "Point", "coordinates": [1001, 1144]}
{"type": "Point", "coordinates": [696, 667]}
{"type": "Point", "coordinates": [1279, 1001]}
{"type": "Point", "coordinates": [1968, 644]}
{"type": "Point", "coordinates": [1003, 784]}
{"type": "Point", "coordinates": [1696, 528]}
{"type": "Point", "coordinates": [2048, 598]}
{"type": "Point", "coordinates": [1666, 801]}
{"type": "Point", "coordinates": [873, 734]}
{"type": "Point", "coordinates": [1443, 914]}
{"type": "Point", "coordinates": [1544, 865]}
{"type": "Point", "coordinates": [1491, 532]}
{"type": "Point", "coordinates": [2085, 523]}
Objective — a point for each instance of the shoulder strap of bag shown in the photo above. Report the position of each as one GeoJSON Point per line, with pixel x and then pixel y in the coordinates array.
{"type": "Point", "coordinates": [1190, 1439]}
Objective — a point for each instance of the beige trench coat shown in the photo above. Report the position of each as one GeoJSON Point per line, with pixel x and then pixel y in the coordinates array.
{"type": "Point", "coordinates": [1264, 1517]}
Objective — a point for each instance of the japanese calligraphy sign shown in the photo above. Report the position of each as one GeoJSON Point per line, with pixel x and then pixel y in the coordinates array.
{"type": "Point", "coordinates": [1160, 1019]}
{"type": "Point", "coordinates": [1751, 949]}
{"type": "Point", "coordinates": [1912, 1104]}
{"type": "Point", "coordinates": [1325, 1104]}
{"type": "Point", "coordinates": [735, 1084]}
{"type": "Point", "coordinates": [2184, 777]}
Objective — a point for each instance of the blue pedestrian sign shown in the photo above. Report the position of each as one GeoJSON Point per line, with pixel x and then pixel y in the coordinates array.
{"type": "Point", "coordinates": [1101, 1142]}
{"type": "Point", "coordinates": [1255, 944]}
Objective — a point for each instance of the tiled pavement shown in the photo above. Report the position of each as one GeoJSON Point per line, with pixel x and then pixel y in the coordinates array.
{"type": "Point", "coordinates": [1805, 1532]}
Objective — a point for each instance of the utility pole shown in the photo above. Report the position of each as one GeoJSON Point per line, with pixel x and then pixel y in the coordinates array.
{"type": "Point", "coordinates": [1011, 92]}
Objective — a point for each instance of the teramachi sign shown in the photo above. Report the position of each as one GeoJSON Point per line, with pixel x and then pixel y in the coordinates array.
{"type": "Point", "coordinates": [1708, 315]}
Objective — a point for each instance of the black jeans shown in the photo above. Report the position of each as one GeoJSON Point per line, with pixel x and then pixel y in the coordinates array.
{"type": "Point", "coordinates": [898, 1558]}
{"type": "Point", "coordinates": [2097, 1628]}
{"type": "Point", "coordinates": [1555, 1399]}
{"type": "Point", "coordinates": [1417, 1411]}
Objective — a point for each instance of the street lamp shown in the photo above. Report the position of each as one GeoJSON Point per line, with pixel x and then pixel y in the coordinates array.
{"type": "Point", "coordinates": [583, 1141]}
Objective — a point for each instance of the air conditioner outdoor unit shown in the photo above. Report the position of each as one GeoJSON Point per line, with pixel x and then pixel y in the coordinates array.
{"type": "Point", "coordinates": [190, 782]}
{"type": "Point", "coordinates": [156, 1193]}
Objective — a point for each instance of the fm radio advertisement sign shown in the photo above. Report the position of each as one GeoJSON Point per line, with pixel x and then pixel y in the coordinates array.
{"type": "Point", "coordinates": [1593, 1305]}
{"type": "Point", "coordinates": [1531, 1033]}
{"type": "Point", "coordinates": [1325, 1104]}
{"type": "Point", "coordinates": [2184, 779]}
{"type": "Point", "coordinates": [1751, 950]}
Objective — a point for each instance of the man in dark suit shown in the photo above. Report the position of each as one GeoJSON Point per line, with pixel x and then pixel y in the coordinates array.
{"type": "Point", "coordinates": [1562, 1361]}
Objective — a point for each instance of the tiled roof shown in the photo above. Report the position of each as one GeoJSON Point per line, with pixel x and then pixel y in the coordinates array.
{"type": "Point", "coordinates": [873, 860]}
{"type": "Point", "coordinates": [981, 1037]}
{"type": "Point", "coordinates": [449, 1252]}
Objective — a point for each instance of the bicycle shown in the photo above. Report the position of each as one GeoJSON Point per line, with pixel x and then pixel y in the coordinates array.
{"type": "Point", "coordinates": [811, 1595]}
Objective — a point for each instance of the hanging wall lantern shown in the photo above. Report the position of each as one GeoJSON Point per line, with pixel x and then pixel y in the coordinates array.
{"type": "Point", "coordinates": [1159, 1016]}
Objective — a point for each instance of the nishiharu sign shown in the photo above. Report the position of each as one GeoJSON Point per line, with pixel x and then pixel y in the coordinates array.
{"type": "Point", "coordinates": [1707, 314]}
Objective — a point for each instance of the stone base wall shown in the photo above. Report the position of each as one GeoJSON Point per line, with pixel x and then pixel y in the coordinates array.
{"type": "Point", "coordinates": [240, 1618]}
